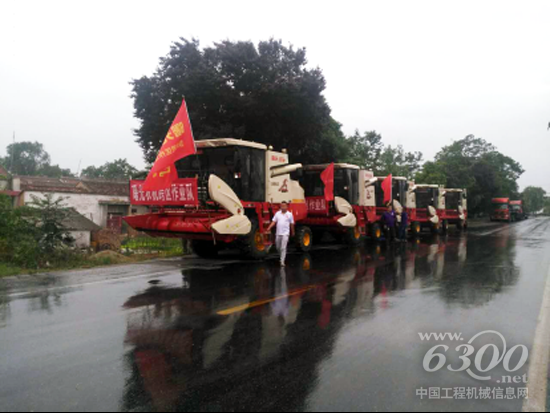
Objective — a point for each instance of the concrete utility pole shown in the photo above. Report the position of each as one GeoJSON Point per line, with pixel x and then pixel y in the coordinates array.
{"type": "Point", "coordinates": [12, 154]}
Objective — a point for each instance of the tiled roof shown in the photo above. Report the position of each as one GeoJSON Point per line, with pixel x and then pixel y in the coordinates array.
{"type": "Point", "coordinates": [75, 186]}
{"type": "Point", "coordinates": [3, 171]}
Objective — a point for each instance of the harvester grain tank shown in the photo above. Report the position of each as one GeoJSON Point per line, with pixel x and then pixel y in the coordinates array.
{"type": "Point", "coordinates": [350, 217]}
{"type": "Point", "coordinates": [240, 185]}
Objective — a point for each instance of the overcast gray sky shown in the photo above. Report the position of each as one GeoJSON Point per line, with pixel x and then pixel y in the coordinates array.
{"type": "Point", "coordinates": [422, 73]}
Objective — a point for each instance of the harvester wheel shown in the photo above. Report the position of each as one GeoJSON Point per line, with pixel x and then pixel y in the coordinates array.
{"type": "Point", "coordinates": [304, 239]}
{"type": "Point", "coordinates": [253, 245]}
{"type": "Point", "coordinates": [416, 228]}
{"type": "Point", "coordinates": [376, 232]}
{"type": "Point", "coordinates": [353, 236]}
{"type": "Point", "coordinates": [205, 249]}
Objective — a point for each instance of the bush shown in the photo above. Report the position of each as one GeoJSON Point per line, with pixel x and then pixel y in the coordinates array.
{"type": "Point", "coordinates": [19, 236]}
{"type": "Point", "coordinates": [31, 237]}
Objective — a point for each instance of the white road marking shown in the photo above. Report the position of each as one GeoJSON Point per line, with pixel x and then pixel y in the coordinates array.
{"type": "Point", "coordinates": [540, 358]}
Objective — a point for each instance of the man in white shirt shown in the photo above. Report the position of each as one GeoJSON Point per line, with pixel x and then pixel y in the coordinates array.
{"type": "Point", "coordinates": [284, 220]}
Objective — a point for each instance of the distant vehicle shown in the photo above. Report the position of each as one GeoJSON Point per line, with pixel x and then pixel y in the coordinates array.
{"type": "Point", "coordinates": [501, 210]}
{"type": "Point", "coordinates": [518, 212]}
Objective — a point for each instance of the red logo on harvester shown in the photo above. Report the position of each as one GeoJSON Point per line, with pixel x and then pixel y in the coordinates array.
{"type": "Point", "coordinates": [284, 187]}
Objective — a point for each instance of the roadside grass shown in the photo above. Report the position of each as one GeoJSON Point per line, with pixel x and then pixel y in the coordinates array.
{"type": "Point", "coordinates": [133, 251]}
{"type": "Point", "coordinates": [165, 247]}
{"type": "Point", "coordinates": [7, 270]}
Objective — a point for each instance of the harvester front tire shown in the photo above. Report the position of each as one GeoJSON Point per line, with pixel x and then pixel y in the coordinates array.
{"type": "Point", "coordinates": [376, 232]}
{"type": "Point", "coordinates": [353, 236]}
{"type": "Point", "coordinates": [416, 228]}
{"type": "Point", "coordinates": [304, 239]}
{"type": "Point", "coordinates": [445, 227]}
{"type": "Point", "coordinates": [253, 245]}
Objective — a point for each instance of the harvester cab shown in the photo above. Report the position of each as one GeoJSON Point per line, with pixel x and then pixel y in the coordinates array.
{"type": "Point", "coordinates": [455, 208]}
{"type": "Point", "coordinates": [424, 203]}
{"type": "Point", "coordinates": [240, 185]}
{"type": "Point", "coordinates": [351, 215]}
{"type": "Point", "coordinates": [400, 188]}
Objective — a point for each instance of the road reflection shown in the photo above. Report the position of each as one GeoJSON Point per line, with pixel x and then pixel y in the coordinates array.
{"type": "Point", "coordinates": [252, 337]}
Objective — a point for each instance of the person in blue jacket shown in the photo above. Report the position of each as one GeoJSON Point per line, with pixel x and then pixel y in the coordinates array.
{"type": "Point", "coordinates": [403, 226]}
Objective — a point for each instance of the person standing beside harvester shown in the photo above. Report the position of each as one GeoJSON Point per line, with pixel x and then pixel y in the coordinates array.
{"type": "Point", "coordinates": [390, 220]}
{"type": "Point", "coordinates": [284, 220]}
{"type": "Point", "coordinates": [403, 226]}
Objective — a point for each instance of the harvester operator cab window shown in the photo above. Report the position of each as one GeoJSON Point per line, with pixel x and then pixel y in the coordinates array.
{"type": "Point", "coordinates": [425, 197]}
{"type": "Point", "coordinates": [346, 184]}
{"type": "Point", "coordinates": [453, 200]}
{"type": "Point", "coordinates": [242, 168]}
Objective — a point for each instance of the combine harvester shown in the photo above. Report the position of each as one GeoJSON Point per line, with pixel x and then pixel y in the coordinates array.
{"type": "Point", "coordinates": [399, 194]}
{"type": "Point", "coordinates": [425, 204]}
{"type": "Point", "coordinates": [348, 211]}
{"type": "Point", "coordinates": [454, 209]}
{"type": "Point", "coordinates": [226, 196]}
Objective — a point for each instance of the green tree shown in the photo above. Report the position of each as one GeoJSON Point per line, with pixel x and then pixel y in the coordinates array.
{"type": "Point", "coordinates": [368, 151]}
{"type": "Point", "coordinates": [394, 160]}
{"type": "Point", "coordinates": [31, 159]}
{"type": "Point", "coordinates": [263, 93]}
{"type": "Point", "coordinates": [19, 237]}
{"type": "Point", "coordinates": [534, 199]}
{"type": "Point", "coordinates": [117, 170]}
{"type": "Point", "coordinates": [51, 212]}
{"type": "Point", "coordinates": [476, 165]}
{"type": "Point", "coordinates": [431, 173]}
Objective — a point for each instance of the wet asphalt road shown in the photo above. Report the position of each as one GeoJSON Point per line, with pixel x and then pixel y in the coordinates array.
{"type": "Point", "coordinates": [337, 330]}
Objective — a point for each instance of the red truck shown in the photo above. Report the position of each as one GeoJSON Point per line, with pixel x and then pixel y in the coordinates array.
{"type": "Point", "coordinates": [501, 210]}
{"type": "Point", "coordinates": [518, 212]}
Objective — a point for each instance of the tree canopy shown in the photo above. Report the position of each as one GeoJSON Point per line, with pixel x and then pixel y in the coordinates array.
{"type": "Point", "coordinates": [369, 151]}
{"type": "Point", "coordinates": [262, 93]}
{"type": "Point", "coordinates": [478, 166]}
{"type": "Point", "coordinates": [534, 199]}
{"type": "Point", "coordinates": [118, 170]}
{"type": "Point", "coordinates": [31, 159]}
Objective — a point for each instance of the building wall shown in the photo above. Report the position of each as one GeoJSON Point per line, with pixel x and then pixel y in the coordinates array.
{"type": "Point", "coordinates": [87, 205]}
{"type": "Point", "coordinates": [83, 239]}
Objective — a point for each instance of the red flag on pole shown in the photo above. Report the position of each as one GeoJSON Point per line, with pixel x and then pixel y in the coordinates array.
{"type": "Point", "coordinates": [387, 187]}
{"type": "Point", "coordinates": [328, 179]}
{"type": "Point", "coordinates": [178, 144]}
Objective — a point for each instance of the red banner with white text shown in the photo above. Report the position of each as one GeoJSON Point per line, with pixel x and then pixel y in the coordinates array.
{"type": "Point", "coordinates": [182, 192]}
